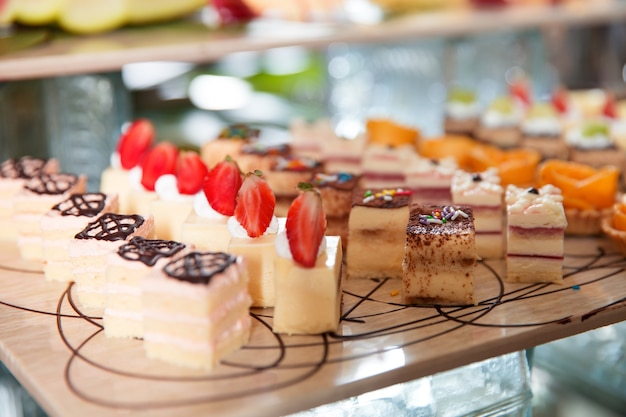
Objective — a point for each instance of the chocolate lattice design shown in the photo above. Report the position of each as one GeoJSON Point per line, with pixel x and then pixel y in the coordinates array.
{"type": "Point", "coordinates": [51, 184]}
{"type": "Point", "coordinates": [26, 167]}
{"type": "Point", "coordinates": [88, 205]}
{"type": "Point", "coordinates": [111, 227]}
{"type": "Point", "coordinates": [149, 251]}
{"type": "Point", "coordinates": [199, 267]}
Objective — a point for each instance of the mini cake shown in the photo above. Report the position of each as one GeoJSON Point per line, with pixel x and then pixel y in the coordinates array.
{"type": "Point", "coordinates": [307, 138]}
{"type": "Point", "coordinates": [462, 113]}
{"type": "Point", "coordinates": [439, 256]}
{"type": "Point", "coordinates": [430, 179]}
{"type": "Point", "coordinates": [377, 225]}
{"type": "Point", "coordinates": [388, 133]}
{"type": "Point", "coordinates": [125, 270]}
{"type": "Point", "coordinates": [458, 147]}
{"type": "Point", "coordinates": [483, 193]}
{"type": "Point", "coordinates": [591, 144]}
{"type": "Point", "coordinates": [62, 222]}
{"type": "Point", "coordinates": [124, 172]}
{"type": "Point", "coordinates": [515, 166]}
{"type": "Point", "coordinates": [500, 123]}
{"type": "Point", "coordinates": [253, 229]}
{"type": "Point", "coordinates": [308, 270]}
{"type": "Point", "coordinates": [196, 309]}
{"type": "Point", "coordinates": [383, 166]}
{"type": "Point", "coordinates": [336, 191]}
{"type": "Point", "coordinates": [542, 130]}
{"type": "Point", "coordinates": [230, 142]}
{"type": "Point", "coordinates": [261, 156]}
{"type": "Point", "coordinates": [91, 246]}
{"type": "Point", "coordinates": [343, 155]}
{"type": "Point", "coordinates": [285, 176]}
{"type": "Point", "coordinates": [37, 197]}
{"type": "Point", "coordinates": [536, 227]}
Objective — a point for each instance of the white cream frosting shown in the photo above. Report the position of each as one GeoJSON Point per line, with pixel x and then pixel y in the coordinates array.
{"type": "Point", "coordinates": [536, 126]}
{"type": "Point", "coordinates": [462, 111]}
{"type": "Point", "coordinates": [575, 138]}
{"type": "Point", "coordinates": [203, 209]}
{"type": "Point", "coordinates": [542, 209]}
{"type": "Point", "coordinates": [445, 167]}
{"type": "Point", "coordinates": [236, 230]}
{"type": "Point", "coordinates": [463, 183]}
{"type": "Point", "coordinates": [166, 186]}
{"type": "Point", "coordinates": [115, 160]}
{"type": "Point", "coordinates": [134, 178]}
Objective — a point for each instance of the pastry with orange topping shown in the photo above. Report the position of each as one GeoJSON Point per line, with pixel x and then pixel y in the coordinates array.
{"type": "Point", "coordinates": [515, 166]}
{"type": "Point", "coordinates": [458, 147]}
{"type": "Point", "coordinates": [389, 133]}
{"type": "Point", "coordinates": [614, 226]}
{"type": "Point", "coordinates": [588, 193]}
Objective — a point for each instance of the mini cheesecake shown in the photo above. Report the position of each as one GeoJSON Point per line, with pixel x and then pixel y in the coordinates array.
{"type": "Point", "coordinates": [229, 142]}
{"type": "Point", "coordinates": [536, 228]}
{"type": "Point", "coordinates": [439, 256]}
{"type": "Point", "coordinates": [377, 232]}
{"type": "Point", "coordinates": [591, 144]}
{"type": "Point", "coordinates": [430, 179]}
{"type": "Point", "coordinates": [484, 194]}
{"type": "Point", "coordinates": [500, 124]}
{"type": "Point", "coordinates": [196, 309]}
{"type": "Point", "coordinates": [542, 130]}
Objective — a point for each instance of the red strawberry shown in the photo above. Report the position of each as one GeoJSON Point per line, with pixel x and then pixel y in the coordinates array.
{"type": "Point", "coordinates": [255, 204]}
{"type": "Point", "coordinates": [190, 173]}
{"type": "Point", "coordinates": [135, 142]}
{"type": "Point", "coordinates": [233, 11]}
{"type": "Point", "coordinates": [520, 89]}
{"type": "Point", "coordinates": [222, 185]}
{"type": "Point", "coordinates": [610, 107]}
{"type": "Point", "coordinates": [159, 161]}
{"type": "Point", "coordinates": [306, 225]}
{"type": "Point", "coordinates": [560, 100]}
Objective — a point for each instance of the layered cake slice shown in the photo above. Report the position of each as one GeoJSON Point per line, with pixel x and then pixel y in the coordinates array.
{"type": "Point", "coordinates": [462, 112]}
{"type": "Point", "coordinates": [440, 256]}
{"type": "Point", "coordinates": [261, 156]}
{"type": "Point", "coordinates": [125, 270]}
{"type": "Point", "coordinates": [535, 232]}
{"type": "Point", "coordinates": [342, 154]}
{"type": "Point", "coordinates": [500, 123]}
{"type": "Point", "coordinates": [62, 222]}
{"type": "Point", "coordinates": [13, 176]}
{"type": "Point", "coordinates": [286, 174]}
{"type": "Point", "coordinates": [377, 233]}
{"type": "Point", "coordinates": [308, 270]}
{"type": "Point", "coordinates": [336, 190]}
{"type": "Point", "coordinates": [38, 196]}
{"type": "Point", "coordinates": [89, 249]}
{"type": "Point", "coordinates": [430, 179]}
{"type": "Point", "coordinates": [196, 309]}
{"type": "Point", "coordinates": [383, 166]}
{"type": "Point", "coordinates": [229, 142]}
{"type": "Point", "coordinates": [484, 194]}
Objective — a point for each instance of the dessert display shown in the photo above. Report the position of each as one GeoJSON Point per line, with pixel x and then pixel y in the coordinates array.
{"type": "Point", "coordinates": [124, 172]}
{"type": "Point", "coordinates": [588, 193]}
{"type": "Point", "coordinates": [62, 222]}
{"type": "Point", "coordinates": [500, 124]}
{"type": "Point", "coordinates": [89, 250]}
{"type": "Point", "coordinates": [482, 192]}
{"type": "Point", "coordinates": [377, 222]}
{"type": "Point", "coordinates": [35, 199]}
{"type": "Point", "coordinates": [536, 228]}
{"type": "Point", "coordinates": [430, 179]}
{"type": "Point", "coordinates": [253, 229]}
{"type": "Point", "coordinates": [125, 270]}
{"type": "Point", "coordinates": [542, 130]}
{"type": "Point", "coordinates": [439, 256]}
{"type": "Point", "coordinates": [285, 175]}
{"type": "Point", "coordinates": [307, 270]}
{"type": "Point", "coordinates": [196, 309]}
{"type": "Point", "coordinates": [336, 191]}
{"type": "Point", "coordinates": [13, 175]}
{"type": "Point", "coordinates": [229, 142]}
{"type": "Point", "coordinates": [462, 112]}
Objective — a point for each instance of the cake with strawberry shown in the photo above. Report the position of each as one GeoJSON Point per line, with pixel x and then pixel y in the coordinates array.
{"type": "Point", "coordinates": [206, 226]}
{"type": "Point", "coordinates": [439, 256]}
{"type": "Point", "coordinates": [377, 226]}
{"type": "Point", "coordinates": [62, 222]}
{"type": "Point", "coordinates": [253, 229]}
{"type": "Point", "coordinates": [430, 179]}
{"type": "Point", "coordinates": [125, 269]}
{"type": "Point", "coordinates": [196, 309]}
{"type": "Point", "coordinates": [89, 250]}
{"type": "Point", "coordinates": [229, 142]}
{"type": "Point", "coordinates": [536, 228]}
{"type": "Point", "coordinates": [308, 270]}
{"type": "Point", "coordinates": [124, 172]}
{"type": "Point", "coordinates": [35, 199]}
{"type": "Point", "coordinates": [482, 192]}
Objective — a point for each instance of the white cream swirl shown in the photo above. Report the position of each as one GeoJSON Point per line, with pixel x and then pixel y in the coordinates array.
{"type": "Point", "coordinates": [166, 187]}
{"type": "Point", "coordinates": [236, 230]}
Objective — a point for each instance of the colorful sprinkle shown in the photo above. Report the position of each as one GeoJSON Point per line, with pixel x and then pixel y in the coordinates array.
{"type": "Point", "coordinates": [387, 194]}
{"type": "Point", "coordinates": [394, 293]}
{"type": "Point", "coordinates": [575, 287]}
{"type": "Point", "coordinates": [448, 213]}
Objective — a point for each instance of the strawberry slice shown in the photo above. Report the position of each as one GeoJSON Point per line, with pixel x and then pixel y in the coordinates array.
{"type": "Point", "coordinates": [222, 185]}
{"type": "Point", "coordinates": [190, 173]}
{"type": "Point", "coordinates": [135, 142]}
{"type": "Point", "coordinates": [520, 89]}
{"type": "Point", "coordinates": [610, 107]}
{"type": "Point", "coordinates": [255, 204]}
{"type": "Point", "coordinates": [560, 100]}
{"type": "Point", "coordinates": [306, 225]}
{"type": "Point", "coordinates": [159, 161]}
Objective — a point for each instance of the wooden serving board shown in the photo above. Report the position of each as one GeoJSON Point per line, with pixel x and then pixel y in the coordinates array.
{"type": "Point", "coordinates": [58, 350]}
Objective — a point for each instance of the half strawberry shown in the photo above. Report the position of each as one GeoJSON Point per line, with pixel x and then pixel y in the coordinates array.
{"type": "Point", "coordinates": [190, 173]}
{"type": "Point", "coordinates": [135, 142]}
{"type": "Point", "coordinates": [159, 161]}
{"type": "Point", "coordinates": [221, 186]}
{"type": "Point", "coordinates": [306, 225]}
{"type": "Point", "coordinates": [255, 204]}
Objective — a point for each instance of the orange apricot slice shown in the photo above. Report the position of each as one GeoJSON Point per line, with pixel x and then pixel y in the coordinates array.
{"type": "Point", "coordinates": [619, 216]}
{"type": "Point", "coordinates": [518, 167]}
{"type": "Point", "coordinates": [457, 146]}
{"type": "Point", "coordinates": [388, 133]}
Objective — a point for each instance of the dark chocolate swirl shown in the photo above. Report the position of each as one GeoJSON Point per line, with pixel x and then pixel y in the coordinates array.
{"type": "Point", "coordinates": [26, 167]}
{"type": "Point", "coordinates": [149, 251]}
{"type": "Point", "coordinates": [199, 267]}
{"type": "Point", "coordinates": [111, 227]}
{"type": "Point", "coordinates": [51, 184]}
{"type": "Point", "coordinates": [88, 205]}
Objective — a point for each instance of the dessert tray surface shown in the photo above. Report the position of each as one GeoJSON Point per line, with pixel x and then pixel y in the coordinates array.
{"type": "Point", "coordinates": [58, 350]}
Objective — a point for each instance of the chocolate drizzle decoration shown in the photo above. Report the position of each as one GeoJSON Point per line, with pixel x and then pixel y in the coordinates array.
{"type": "Point", "coordinates": [88, 205]}
{"type": "Point", "coordinates": [26, 167]}
{"type": "Point", "coordinates": [51, 184]}
{"type": "Point", "coordinates": [111, 227]}
{"type": "Point", "coordinates": [199, 267]}
{"type": "Point", "coordinates": [149, 251]}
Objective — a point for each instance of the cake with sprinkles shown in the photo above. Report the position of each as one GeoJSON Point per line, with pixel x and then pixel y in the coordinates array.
{"type": "Point", "coordinates": [229, 142]}
{"type": "Point", "coordinates": [440, 256]}
{"type": "Point", "coordinates": [336, 191]}
{"type": "Point", "coordinates": [286, 174]}
{"type": "Point", "coordinates": [196, 309]}
{"type": "Point", "coordinates": [377, 223]}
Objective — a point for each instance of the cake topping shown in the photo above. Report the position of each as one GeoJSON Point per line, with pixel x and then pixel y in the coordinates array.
{"type": "Point", "coordinates": [111, 227]}
{"type": "Point", "coordinates": [199, 267]}
{"type": "Point", "coordinates": [263, 149]}
{"type": "Point", "coordinates": [533, 190]}
{"type": "Point", "coordinates": [296, 163]}
{"type": "Point", "coordinates": [159, 161]}
{"type": "Point", "coordinates": [222, 185]}
{"type": "Point", "coordinates": [341, 178]}
{"type": "Point", "coordinates": [149, 251]}
{"type": "Point", "coordinates": [88, 205]}
{"type": "Point", "coordinates": [386, 194]}
{"type": "Point", "coordinates": [306, 226]}
{"type": "Point", "coordinates": [239, 131]}
{"type": "Point", "coordinates": [135, 142]}
{"type": "Point", "coordinates": [544, 201]}
{"type": "Point", "coordinates": [25, 167]}
{"type": "Point", "coordinates": [51, 184]}
{"type": "Point", "coordinates": [255, 204]}
{"type": "Point", "coordinates": [432, 219]}
{"type": "Point", "coordinates": [190, 173]}
{"type": "Point", "coordinates": [476, 177]}
{"type": "Point", "coordinates": [446, 214]}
